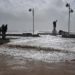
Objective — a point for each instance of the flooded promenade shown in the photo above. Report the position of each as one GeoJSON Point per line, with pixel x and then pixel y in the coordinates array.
{"type": "Point", "coordinates": [26, 61]}
{"type": "Point", "coordinates": [18, 65]}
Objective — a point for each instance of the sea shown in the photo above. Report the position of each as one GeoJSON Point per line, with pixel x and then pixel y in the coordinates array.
{"type": "Point", "coordinates": [46, 48]}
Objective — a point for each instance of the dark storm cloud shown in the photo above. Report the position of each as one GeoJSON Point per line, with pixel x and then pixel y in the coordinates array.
{"type": "Point", "coordinates": [15, 12]}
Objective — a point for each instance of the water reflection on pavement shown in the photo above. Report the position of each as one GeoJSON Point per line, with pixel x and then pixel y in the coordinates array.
{"type": "Point", "coordinates": [22, 66]}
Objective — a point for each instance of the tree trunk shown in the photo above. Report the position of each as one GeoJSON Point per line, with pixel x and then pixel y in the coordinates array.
{"type": "Point", "coordinates": [3, 35]}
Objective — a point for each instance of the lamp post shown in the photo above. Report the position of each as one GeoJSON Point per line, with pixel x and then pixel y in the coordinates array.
{"type": "Point", "coordinates": [32, 10]}
{"type": "Point", "coordinates": [70, 11]}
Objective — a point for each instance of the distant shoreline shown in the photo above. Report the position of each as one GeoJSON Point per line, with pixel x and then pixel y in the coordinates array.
{"type": "Point", "coordinates": [23, 34]}
{"type": "Point", "coordinates": [26, 34]}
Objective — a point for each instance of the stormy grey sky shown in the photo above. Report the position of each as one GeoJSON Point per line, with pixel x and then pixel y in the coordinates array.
{"type": "Point", "coordinates": [15, 13]}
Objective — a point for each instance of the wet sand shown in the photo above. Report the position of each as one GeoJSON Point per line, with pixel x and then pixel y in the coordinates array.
{"type": "Point", "coordinates": [14, 66]}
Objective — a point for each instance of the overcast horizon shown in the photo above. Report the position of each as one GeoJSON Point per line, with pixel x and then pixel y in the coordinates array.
{"type": "Point", "coordinates": [15, 13]}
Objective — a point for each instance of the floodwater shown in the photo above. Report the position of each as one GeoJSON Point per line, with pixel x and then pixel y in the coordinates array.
{"type": "Point", "coordinates": [54, 42]}
{"type": "Point", "coordinates": [29, 61]}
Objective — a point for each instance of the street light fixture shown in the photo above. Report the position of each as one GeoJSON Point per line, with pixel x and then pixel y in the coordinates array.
{"type": "Point", "coordinates": [70, 11]}
{"type": "Point", "coordinates": [32, 10]}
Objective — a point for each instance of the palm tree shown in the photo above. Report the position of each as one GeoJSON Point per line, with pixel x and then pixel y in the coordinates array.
{"type": "Point", "coordinates": [4, 30]}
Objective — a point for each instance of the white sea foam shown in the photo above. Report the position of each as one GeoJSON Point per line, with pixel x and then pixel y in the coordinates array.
{"type": "Point", "coordinates": [46, 42]}
{"type": "Point", "coordinates": [45, 56]}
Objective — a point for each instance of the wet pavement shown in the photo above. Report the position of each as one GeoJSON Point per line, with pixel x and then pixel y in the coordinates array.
{"type": "Point", "coordinates": [14, 66]}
